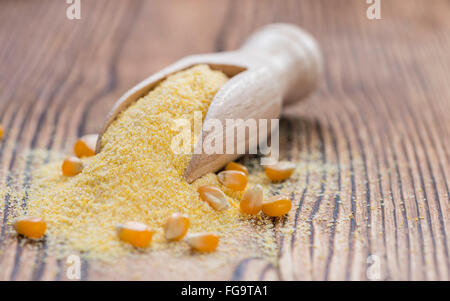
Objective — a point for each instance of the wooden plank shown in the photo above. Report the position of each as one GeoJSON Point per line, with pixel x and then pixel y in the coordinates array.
{"type": "Point", "coordinates": [380, 119]}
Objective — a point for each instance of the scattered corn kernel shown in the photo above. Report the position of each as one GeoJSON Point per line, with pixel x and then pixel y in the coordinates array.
{"type": "Point", "coordinates": [252, 200]}
{"type": "Point", "coordinates": [72, 166]}
{"type": "Point", "coordinates": [277, 205]}
{"type": "Point", "coordinates": [1, 132]}
{"type": "Point", "coordinates": [30, 226]}
{"type": "Point", "coordinates": [176, 226]}
{"type": "Point", "coordinates": [233, 179]}
{"type": "Point", "coordinates": [236, 166]}
{"type": "Point", "coordinates": [214, 197]}
{"type": "Point", "coordinates": [280, 171]}
{"type": "Point", "coordinates": [136, 234]}
{"type": "Point", "coordinates": [203, 242]}
{"type": "Point", "coordinates": [85, 146]}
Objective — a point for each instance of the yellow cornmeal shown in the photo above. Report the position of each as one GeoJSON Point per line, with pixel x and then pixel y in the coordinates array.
{"type": "Point", "coordinates": [136, 176]}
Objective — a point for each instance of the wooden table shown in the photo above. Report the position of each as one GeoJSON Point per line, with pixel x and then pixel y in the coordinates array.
{"type": "Point", "coordinates": [381, 116]}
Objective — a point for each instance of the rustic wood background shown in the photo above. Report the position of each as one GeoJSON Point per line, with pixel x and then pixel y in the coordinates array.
{"type": "Point", "coordinates": [384, 99]}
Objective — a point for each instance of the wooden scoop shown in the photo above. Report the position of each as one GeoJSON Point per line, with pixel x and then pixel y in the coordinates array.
{"type": "Point", "coordinates": [280, 62]}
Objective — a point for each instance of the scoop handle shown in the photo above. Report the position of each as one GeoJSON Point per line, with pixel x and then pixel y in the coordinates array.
{"type": "Point", "coordinates": [292, 53]}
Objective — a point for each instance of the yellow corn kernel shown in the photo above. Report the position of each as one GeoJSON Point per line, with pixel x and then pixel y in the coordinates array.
{"type": "Point", "coordinates": [236, 166]}
{"type": "Point", "coordinates": [233, 179]}
{"type": "Point", "coordinates": [85, 146]}
{"type": "Point", "coordinates": [30, 226]}
{"type": "Point", "coordinates": [203, 242]}
{"type": "Point", "coordinates": [252, 200]}
{"type": "Point", "coordinates": [214, 197]}
{"type": "Point", "coordinates": [1, 132]}
{"type": "Point", "coordinates": [176, 226]}
{"type": "Point", "coordinates": [280, 171]}
{"type": "Point", "coordinates": [136, 234]}
{"type": "Point", "coordinates": [72, 166]}
{"type": "Point", "coordinates": [277, 205]}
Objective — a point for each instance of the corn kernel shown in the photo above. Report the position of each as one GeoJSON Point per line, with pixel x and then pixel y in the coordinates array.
{"type": "Point", "coordinates": [1, 132]}
{"type": "Point", "coordinates": [85, 146]}
{"type": "Point", "coordinates": [233, 179]}
{"type": "Point", "coordinates": [203, 242]}
{"type": "Point", "coordinates": [214, 197]}
{"type": "Point", "coordinates": [236, 166]}
{"type": "Point", "coordinates": [280, 171]}
{"type": "Point", "coordinates": [277, 205]}
{"type": "Point", "coordinates": [136, 234]}
{"type": "Point", "coordinates": [72, 166]}
{"type": "Point", "coordinates": [176, 226]}
{"type": "Point", "coordinates": [252, 200]}
{"type": "Point", "coordinates": [30, 226]}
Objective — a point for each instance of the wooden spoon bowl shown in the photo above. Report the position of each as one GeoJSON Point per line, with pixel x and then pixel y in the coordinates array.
{"type": "Point", "coordinates": [278, 64]}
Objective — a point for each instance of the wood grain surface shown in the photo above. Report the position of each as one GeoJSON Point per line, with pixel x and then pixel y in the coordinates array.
{"type": "Point", "coordinates": [381, 117]}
